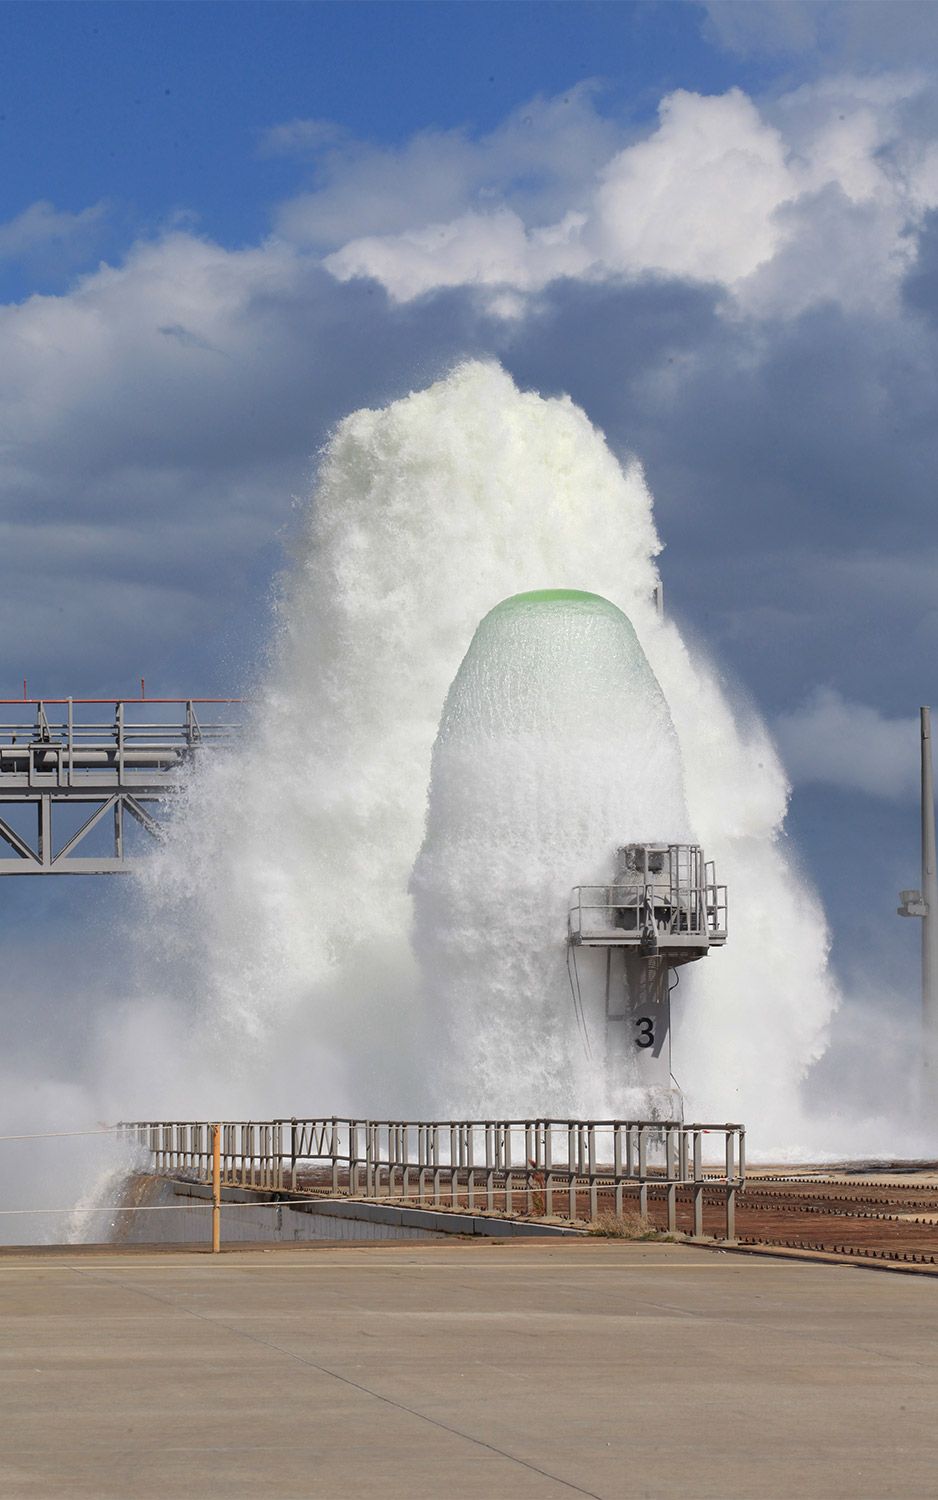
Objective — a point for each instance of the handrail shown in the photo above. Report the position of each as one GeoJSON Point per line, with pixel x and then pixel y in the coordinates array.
{"type": "Point", "coordinates": [39, 745]}
{"type": "Point", "coordinates": [535, 1166]}
{"type": "Point", "coordinates": [37, 702]}
{"type": "Point", "coordinates": [681, 912]}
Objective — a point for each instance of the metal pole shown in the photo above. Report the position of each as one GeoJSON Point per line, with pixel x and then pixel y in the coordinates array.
{"type": "Point", "coordinates": [930, 921]}
{"type": "Point", "coordinates": [216, 1189]}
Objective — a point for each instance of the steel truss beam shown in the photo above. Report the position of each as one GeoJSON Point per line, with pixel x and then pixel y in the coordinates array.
{"type": "Point", "coordinates": [123, 767]}
{"type": "Point", "coordinates": [42, 857]}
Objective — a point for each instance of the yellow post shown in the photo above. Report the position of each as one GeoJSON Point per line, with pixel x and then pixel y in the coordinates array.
{"type": "Point", "coordinates": [216, 1189]}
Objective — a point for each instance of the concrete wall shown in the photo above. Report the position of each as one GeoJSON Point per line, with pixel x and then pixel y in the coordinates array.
{"type": "Point", "coordinates": [175, 1212]}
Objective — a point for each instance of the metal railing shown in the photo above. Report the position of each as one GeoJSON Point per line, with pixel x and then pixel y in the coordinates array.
{"type": "Point", "coordinates": [65, 750]}
{"type": "Point", "coordinates": [626, 915]}
{"type": "Point", "coordinates": [555, 1168]}
{"type": "Point", "coordinates": [117, 773]}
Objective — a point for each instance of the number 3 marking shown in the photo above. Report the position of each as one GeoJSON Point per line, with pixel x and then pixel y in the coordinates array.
{"type": "Point", "coordinates": [647, 1028]}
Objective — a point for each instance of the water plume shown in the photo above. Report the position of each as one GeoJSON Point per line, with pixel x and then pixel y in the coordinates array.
{"type": "Point", "coordinates": [286, 886]}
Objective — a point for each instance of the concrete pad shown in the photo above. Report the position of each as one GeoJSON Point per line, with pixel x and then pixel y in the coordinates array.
{"type": "Point", "coordinates": [498, 1371]}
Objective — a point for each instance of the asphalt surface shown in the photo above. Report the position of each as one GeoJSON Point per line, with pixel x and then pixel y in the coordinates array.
{"type": "Point", "coordinates": [437, 1371]}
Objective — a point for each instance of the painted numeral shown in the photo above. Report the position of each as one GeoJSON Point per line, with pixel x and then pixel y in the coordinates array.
{"type": "Point", "coordinates": [646, 1036]}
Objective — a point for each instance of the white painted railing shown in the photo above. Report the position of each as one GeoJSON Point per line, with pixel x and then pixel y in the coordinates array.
{"type": "Point", "coordinates": [556, 1168]}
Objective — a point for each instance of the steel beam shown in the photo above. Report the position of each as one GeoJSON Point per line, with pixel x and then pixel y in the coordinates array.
{"type": "Point", "coordinates": [123, 766]}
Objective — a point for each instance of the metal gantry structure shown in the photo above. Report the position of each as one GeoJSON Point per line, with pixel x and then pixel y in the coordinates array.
{"type": "Point", "coordinates": [102, 759]}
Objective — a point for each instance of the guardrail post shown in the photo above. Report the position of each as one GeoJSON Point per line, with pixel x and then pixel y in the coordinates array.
{"type": "Point", "coordinates": [507, 1164]}
{"type": "Point", "coordinates": [216, 1189]}
{"type": "Point", "coordinates": [642, 1171]}
{"type": "Point", "coordinates": [435, 1158]}
{"type": "Point", "coordinates": [548, 1169]}
{"type": "Point", "coordinates": [698, 1186]}
{"type": "Point", "coordinates": [454, 1164]}
{"type": "Point", "coordinates": [489, 1165]}
{"type": "Point", "coordinates": [591, 1166]}
{"type": "Point", "coordinates": [470, 1165]}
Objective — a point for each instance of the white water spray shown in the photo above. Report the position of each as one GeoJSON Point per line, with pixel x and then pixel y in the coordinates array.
{"type": "Point", "coordinates": [286, 886]}
{"type": "Point", "coordinates": [555, 744]}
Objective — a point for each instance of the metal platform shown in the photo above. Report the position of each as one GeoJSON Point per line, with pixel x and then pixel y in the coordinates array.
{"type": "Point", "coordinates": [670, 903]}
{"type": "Point", "coordinates": [57, 753]}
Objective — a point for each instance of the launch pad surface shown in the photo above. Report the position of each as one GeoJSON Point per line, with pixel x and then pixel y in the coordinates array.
{"type": "Point", "coordinates": [539, 1369]}
{"type": "Point", "coordinates": [869, 1212]}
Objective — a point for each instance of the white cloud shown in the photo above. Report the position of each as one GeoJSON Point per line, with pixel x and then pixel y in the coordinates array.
{"type": "Point", "coordinates": [698, 198]}
{"type": "Point", "coordinates": [142, 432]}
{"type": "Point", "coordinates": [155, 422]}
{"type": "Point", "coordinates": [61, 354]}
{"type": "Point", "coordinates": [810, 200]}
{"type": "Point", "coordinates": [540, 161]}
{"type": "Point", "coordinates": [42, 225]}
{"type": "Point", "coordinates": [869, 32]}
{"type": "Point", "coordinates": [300, 138]}
{"type": "Point", "coordinates": [785, 26]}
{"type": "Point", "coordinates": [180, 390]}
{"type": "Point", "coordinates": [831, 741]}
{"type": "Point", "coordinates": [493, 249]}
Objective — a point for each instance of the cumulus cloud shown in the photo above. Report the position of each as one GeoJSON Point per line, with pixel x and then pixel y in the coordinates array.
{"type": "Point", "coordinates": [782, 208]}
{"type": "Point", "coordinates": [155, 422]}
{"type": "Point", "coordinates": [834, 742]}
{"type": "Point", "coordinates": [477, 249]}
{"type": "Point", "coordinates": [176, 395]}
{"type": "Point", "coordinates": [300, 138]}
{"type": "Point", "coordinates": [877, 32]}
{"type": "Point", "coordinates": [41, 226]}
{"type": "Point", "coordinates": [697, 198]}
{"type": "Point", "coordinates": [539, 162]}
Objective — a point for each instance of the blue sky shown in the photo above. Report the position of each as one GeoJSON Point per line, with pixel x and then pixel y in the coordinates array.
{"type": "Point", "coordinates": [222, 226]}
{"type": "Point", "coordinates": [160, 108]}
